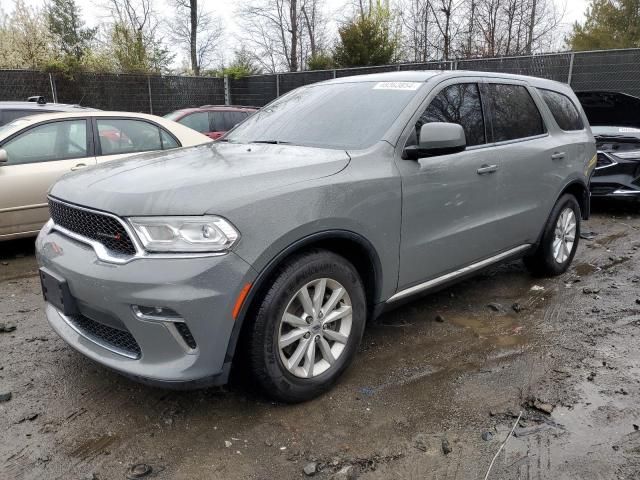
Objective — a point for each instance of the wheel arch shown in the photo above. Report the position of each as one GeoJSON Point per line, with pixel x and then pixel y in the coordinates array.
{"type": "Point", "coordinates": [578, 189]}
{"type": "Point", "coordinates": [354, 247]}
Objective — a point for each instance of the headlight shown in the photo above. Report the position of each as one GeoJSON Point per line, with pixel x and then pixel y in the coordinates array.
{"type": "Point", "coordinates": [184, 234]}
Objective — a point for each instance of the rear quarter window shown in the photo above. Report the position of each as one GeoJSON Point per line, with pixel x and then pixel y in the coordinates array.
{"type": "Point", "coordinates": [514, 113]}
{"type": "Point", "coordinates": [563, 110]}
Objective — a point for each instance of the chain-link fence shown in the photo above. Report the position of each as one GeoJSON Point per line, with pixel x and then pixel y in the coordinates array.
{"type": "Point", "coordinates": [131, 93]}
{"type": "Point", "coordinates": [617, 70]}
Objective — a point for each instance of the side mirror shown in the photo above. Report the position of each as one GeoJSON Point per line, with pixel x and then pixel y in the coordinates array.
{"type": "Point", "coordinates": [4, 158]}
{"type": "Point", "coordinates": [437, 138]}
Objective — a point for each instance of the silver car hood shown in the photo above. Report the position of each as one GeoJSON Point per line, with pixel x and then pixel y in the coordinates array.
{"type": "Point", "coordinates": [207, 178]}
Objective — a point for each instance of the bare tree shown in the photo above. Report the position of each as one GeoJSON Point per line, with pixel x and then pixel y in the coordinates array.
{"type": "Point", "coordinates": [444, 29]}
{"type": "Point", "coordinates": [512, 27]}
{"type": "Point", "coordinates": [283, 33]}
{"type": "Point", "coordinates": [443, 12]}
{"type": "Point", "coordinates": [314, 24]}
{"type": "Point", "coordinates": [197, 31]}
{"type": "Point", "coordinates": [135, 36]}
{"type": "Point", "coordinates": [415, 16]}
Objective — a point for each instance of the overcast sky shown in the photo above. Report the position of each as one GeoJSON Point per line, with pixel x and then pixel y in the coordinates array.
{"type": "Point", "coordinates": [93, 14]}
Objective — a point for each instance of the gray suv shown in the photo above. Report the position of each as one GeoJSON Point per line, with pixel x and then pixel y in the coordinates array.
{"type": "Point", "coordinates": [333, 202]}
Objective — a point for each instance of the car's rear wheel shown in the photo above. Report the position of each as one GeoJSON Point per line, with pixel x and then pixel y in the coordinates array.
{"type": "Point", "coordinates": [559, 240]}
{"type": "Point", "coordinates": [308, 326]}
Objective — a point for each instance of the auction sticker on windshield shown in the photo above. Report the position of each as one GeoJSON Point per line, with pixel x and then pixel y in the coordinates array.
{"type": "Point", "coordinates": [397, 86]}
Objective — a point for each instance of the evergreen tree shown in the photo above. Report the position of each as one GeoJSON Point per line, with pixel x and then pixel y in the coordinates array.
{"type": "Point", "coordinates": [67, 28]}
{"type": "Point", "coordinates": [609, 24]}
{"type": "Point", "coordinates": [368, 39]}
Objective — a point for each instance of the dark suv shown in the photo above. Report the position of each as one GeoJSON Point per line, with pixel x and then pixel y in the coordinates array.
{"type": "Point", "coordinates": [613, 117]}
{"type": "Point", "coordinates": [211, 120]}
{"type": "Point", "coordinates": [9, 111]}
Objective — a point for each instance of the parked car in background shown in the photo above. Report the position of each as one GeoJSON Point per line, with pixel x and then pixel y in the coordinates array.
{"type": "Point", "coordinates": [10, 111]}
{"type": "Point", "coordinates": [37, 150]}
{"type": "Point", "coordinates": [211, 120]}
{"type": "Point", "coordinates": [329, 204]}
{"type": "Point", "coordinates": [615, 123]}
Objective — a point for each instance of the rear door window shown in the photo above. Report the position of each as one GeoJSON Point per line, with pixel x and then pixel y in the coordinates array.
{"type": "Point", "coordinates": [118, 136]}
{"type": "Point", "coordinates": [563, 110]}
{"type": "Point", "coordinates": [199, 121]}
{"type": "Point", "coordinates": [514, 113]}
{"type": "Point", "coordinates": [459, 104]}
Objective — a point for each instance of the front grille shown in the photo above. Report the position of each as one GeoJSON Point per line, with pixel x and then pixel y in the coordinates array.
{"type": "Point", "coordinates": [186, 335]}
{"type": "Point", "coordinates": [120, 339]}
{"type": "Point", "coordinates": [93, 225]}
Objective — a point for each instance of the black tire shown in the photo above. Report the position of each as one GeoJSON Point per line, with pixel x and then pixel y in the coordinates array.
{"type": "Point", "coordinates": [542, 262]}
{"type": "Point", "coordinates": [265, 361]}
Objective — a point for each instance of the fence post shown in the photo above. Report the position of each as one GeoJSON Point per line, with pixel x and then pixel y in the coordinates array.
{"type": "Point", "coordinates": [277, 85]}
{"type": "Point", "coordinates": [570, 68]}
{"type": "Point", "coordinates": [227, 90]}
{"type": "Point", "coordinates": [455, 65]}
{"type": "Point", "coordinates": [334, 73]}
{"type": "Point", "coordinates": [149, 90]}
{"type": "Point", "coordinates": [54, 96]}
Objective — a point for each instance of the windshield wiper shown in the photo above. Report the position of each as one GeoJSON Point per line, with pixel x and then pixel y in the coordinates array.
{"type": "Point", "coordinates": [271, 142]}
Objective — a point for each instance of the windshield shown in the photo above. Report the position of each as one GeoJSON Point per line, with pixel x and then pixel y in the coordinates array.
{"type": "Point", "coordinates": [334, 115]}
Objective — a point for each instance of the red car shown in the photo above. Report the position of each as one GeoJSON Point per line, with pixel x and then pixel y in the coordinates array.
{"type": "Point", "coordinates": [211, 120]}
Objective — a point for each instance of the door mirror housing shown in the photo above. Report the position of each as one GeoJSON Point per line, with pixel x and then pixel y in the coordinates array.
{"type": "Point", "coordinates": [4, 157]}
{"type": "Point", "coordinates": [437, 138]}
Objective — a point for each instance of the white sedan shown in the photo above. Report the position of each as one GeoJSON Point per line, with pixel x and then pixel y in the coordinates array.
{"type": "Point", "coordinates": [35, 151]}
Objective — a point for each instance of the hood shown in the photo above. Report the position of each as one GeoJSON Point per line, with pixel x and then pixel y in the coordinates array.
{"type": "Point", "coordinates": [195, 180]}
{"type": "Point", "coordinates": [610, 108]}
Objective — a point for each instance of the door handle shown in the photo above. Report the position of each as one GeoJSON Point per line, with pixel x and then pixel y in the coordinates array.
{"type": "Point", "coordinates": [78, 167]}
{"type": "Point", "coordinates": [484, 169]}
{"type": "Point", "coordinates": [558, 156]}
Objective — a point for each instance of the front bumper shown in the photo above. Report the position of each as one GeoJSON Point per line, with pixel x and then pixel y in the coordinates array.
{"type": "Point", "coordinates": [618, 178]}
{"type": "Point", "coordinates": [201, 290]}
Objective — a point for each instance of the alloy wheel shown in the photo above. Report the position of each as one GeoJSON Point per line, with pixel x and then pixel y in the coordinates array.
{"type": "Point", "coordinates": [315, 328]}
{"type": "Point", "coordinates": [564, 235]}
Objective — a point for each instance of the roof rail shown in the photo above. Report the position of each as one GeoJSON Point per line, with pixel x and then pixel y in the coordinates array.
{"type": "Point", "coordinates": [39, 99]}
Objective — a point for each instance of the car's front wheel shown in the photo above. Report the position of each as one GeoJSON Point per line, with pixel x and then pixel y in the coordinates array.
{"type": "Point", "coordinates": [559, 240]}
{"type": "Point", "coordinates": [308, 326]}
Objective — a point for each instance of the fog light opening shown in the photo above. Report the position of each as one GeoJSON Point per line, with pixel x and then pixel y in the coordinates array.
{"type": "Point", "coordinates": [158, 314]}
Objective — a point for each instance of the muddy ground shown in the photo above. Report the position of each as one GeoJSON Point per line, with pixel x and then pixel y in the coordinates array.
{"type": "Point", "coordinates": [447, 373]}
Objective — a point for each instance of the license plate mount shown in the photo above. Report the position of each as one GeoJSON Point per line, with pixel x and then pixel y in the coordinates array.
{"type": "Point", "coordinates": [55, 291]}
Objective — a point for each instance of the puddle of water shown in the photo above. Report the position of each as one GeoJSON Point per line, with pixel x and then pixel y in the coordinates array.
{"type": "Point", "coordinates": [502, 331]}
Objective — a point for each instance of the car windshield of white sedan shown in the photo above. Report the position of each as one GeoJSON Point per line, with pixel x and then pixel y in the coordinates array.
{"type": "Point", "coordinates": [335, 115]}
